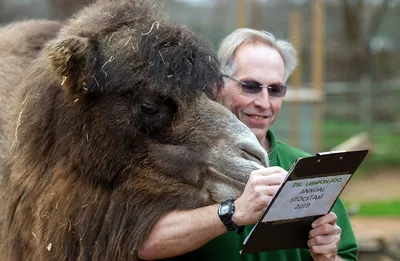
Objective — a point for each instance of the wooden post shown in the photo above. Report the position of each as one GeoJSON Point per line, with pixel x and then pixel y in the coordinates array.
{"type": "Point", "coordinates": [365, 101]}
{"type": "Point", "coordinates": [294, 112]}
{"type": "Point", "coordinates": [241, 13]}
{"type": "Point", "coordinates": [256, 15]}
{"type": "Point", "coordinates": [317, 67]}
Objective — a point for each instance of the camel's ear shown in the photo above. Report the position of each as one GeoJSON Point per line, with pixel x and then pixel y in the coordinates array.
{"type": "Point", "coordinates": [72, 61]}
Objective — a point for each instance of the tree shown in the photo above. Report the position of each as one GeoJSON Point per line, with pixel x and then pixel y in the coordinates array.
{"type": "Point", "coordinates": [361, 24]}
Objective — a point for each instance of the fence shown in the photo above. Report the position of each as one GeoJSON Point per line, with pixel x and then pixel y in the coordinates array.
{"type": "Point", "coordinates": [344, 108]}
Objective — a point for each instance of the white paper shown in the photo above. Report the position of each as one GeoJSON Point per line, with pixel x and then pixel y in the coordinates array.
{"type": "Point", "coordinates": [306, 197]}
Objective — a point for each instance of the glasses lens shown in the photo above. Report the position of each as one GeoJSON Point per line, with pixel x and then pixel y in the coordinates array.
{"type": "Point", "coordinates": [251, 87]}
{"type": "Point", "coordinates": [275, 90]}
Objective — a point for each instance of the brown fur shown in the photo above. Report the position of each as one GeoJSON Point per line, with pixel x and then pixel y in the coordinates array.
{"type": "Point", "coordinates": [116, 125]}
{"type": "Point", "coordinates": [20, 43]}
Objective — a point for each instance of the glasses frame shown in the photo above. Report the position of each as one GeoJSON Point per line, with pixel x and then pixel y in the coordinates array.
{"type": "Point", "coordinates": [261, 86]}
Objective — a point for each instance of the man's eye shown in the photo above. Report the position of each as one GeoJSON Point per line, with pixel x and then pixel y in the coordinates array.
{"type": "Point", "coordinates": [252, 87]}
{"type": "Point", "coordinates": [275, 88]}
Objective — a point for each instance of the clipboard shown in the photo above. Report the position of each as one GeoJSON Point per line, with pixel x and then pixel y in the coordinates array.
{"type": "Point", "coordinates": [308, 192]}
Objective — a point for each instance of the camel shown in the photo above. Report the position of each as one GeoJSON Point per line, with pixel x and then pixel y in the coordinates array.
{"type": "Point", "coordinates": [115, 124]}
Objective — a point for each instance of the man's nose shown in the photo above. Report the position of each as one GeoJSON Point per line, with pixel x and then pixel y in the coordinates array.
{"type": "Point", "coordinates": [262, 99]}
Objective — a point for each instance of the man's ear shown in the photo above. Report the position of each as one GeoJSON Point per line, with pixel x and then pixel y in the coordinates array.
{"type": "Point", "coordinates": [72, 60]}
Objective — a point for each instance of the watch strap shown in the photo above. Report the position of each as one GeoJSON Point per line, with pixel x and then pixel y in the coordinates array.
{"type": "Point", "coordinates": [227, 219]}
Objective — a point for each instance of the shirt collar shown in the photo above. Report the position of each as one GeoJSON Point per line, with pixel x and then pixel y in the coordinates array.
{"type": "Point", "coordinates": [273, 152]}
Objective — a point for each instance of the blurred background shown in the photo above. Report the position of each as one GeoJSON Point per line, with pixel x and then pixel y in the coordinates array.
{"type": "Point", "coordinates": [344, 95]}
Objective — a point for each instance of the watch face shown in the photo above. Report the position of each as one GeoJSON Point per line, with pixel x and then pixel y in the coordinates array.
{"type": "Point", "coordinates": [224, 209]}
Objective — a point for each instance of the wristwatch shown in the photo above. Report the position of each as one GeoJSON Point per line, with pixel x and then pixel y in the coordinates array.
{"type": "Point", "coordinates": [225, 213]}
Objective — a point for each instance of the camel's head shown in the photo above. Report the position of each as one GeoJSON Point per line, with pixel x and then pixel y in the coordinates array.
{"type": "Point", "coordinates": [131, 105]}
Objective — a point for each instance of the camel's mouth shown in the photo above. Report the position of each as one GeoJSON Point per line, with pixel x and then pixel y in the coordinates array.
{"type": "Point", "coordinates": [221, 186]}
{"type": "Point", "coordinates": [236, 181]}
{"type": "Point", "coordinates": [238, 173]}
{"type": "Point", "coordinates": [252, 157]}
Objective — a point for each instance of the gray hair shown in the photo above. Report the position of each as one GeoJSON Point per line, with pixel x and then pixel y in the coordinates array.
{"type": "Point", "coordinates": [237, 38]}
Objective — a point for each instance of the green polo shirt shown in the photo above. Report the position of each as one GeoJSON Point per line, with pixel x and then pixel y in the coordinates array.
{"type": "Point", "coordinates": [227, 246]}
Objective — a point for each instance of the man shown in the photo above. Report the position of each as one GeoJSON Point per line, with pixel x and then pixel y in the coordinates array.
{"type": "Point", "coordinates": [256, 67]}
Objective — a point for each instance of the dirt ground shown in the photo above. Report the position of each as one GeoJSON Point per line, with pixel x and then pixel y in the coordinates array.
{"type": "Point", "coordinates": [386, 228]}
{"type": "Point", "coordinates": [383, 185]}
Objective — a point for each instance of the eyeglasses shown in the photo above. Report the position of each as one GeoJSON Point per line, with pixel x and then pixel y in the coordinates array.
{"type": "Point", "coordinates": [274, 90]}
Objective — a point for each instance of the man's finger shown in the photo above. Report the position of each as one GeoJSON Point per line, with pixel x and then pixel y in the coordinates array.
{"type": "Point", "coordinates": [325, 229]}
{"type": "Point", "coordinates": [274, 179]}
{"type": "Point", "coordinates": [329, 218]}
{"type": "Point", "coordinates": [269, 171]}
{"type": "Point", "coordinates": [267, 190]}
{"type": "Point", "coordinates": [321, 240]}
{"type": "Point", "coordinates": [328, 251]}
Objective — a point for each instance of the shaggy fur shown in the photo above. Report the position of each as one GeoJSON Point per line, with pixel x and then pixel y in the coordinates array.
{"type": "Point", "coordinates": [116, 126]}
{"type": "Point", "coordinates": [20, 43]}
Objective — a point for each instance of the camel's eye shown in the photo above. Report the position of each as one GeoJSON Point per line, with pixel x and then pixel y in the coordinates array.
{"type": "Point", "coordinates": [154, 114]}
{"type": "Point", "coordinates": [149, 109]}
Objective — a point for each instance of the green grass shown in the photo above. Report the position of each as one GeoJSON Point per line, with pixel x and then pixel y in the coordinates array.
{"type": "Point", "coordinates": [389, 208]}
{"type": "Point", "coordinates": [385, 140]}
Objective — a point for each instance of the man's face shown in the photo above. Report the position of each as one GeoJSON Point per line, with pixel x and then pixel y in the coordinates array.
{"type": "Point", "coordinates": [261, 63]}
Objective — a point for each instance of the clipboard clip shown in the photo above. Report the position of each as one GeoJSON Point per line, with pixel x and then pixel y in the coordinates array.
{"type": "Point", "coordinates": [329, 152]}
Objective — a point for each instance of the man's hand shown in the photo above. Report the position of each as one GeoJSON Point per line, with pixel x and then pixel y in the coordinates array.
{"type": "Point", "coordinates": [324, 238]}
{"type": "Point", "coordinates": [257, 194]}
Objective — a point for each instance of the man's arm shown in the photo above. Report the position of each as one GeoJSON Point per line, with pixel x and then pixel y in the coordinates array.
{"type": "Point", "coordinates": [179, 232]}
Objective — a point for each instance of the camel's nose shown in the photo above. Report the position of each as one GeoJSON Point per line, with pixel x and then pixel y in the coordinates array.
{"type": "Point", "coordinates": [249, 145]}
{"type": "Point", "coordinates": [254, 152]}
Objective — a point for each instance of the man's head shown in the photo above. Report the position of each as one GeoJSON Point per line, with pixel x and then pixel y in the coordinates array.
{"type": "Point", "coordinates": [251, 59]}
